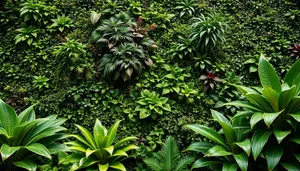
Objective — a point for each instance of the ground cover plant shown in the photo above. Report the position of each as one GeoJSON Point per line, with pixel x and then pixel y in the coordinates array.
{"type": "Point", "coordinates": [155, 66]}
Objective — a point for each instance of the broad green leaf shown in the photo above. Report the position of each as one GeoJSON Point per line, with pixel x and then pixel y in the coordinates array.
{"type": "Point", "coordinates": [117, 166]}
{"type": "Point", "coordinates": [204, 163]}
{"type": "Point", "coordinates": [88, 136]}
{"type": "Point", "coordinates": [244, 90]}
{"type": "Point", "coordinates": [273, 156]}
{"type": "Point", "coordinates": [242, 160]}
{"type": "Point", "coordinates": [290, 166]}
{"type": "Point", "coordinates": [260, 102]}
{"type": "Point", "coordinates": [39, 149]}
{"type": "Point", "coordinates": [8, 117]}
{"type": "Point", "coordinates": [217, 151]}
{"type": "Point", "coordinates": [270, 117]}
{"type": "Point", "coordinates": [230, 167]}
{"type": "Point", "coordinates": [292, 74]}
{"type": "Point", "coordinates": [201, 147]}
{"type": "Point", "coordinates": [295, 140]}
{"type": "Point", "coordinates": [94, 17]}
{"type": "Point", "coordinates": [144, 113]}
{"type": "Point", "coordinates": [242, 114]}
{"type": "Point", "coordinates": [296, 116]}
{"type": "Point", "coordinates": [245, 145]}
{"type": "Point", "coordinates": [294, 105]}
{"type": "Point", "coordinates": [184, 162]}
{"type": "Point", "coordinates": [227, 127]}
{"type": "Point", "coordinates": [170, 76]}
{"type": "Point", "coordinates": [26, 164]}
{"type": "Point", "coordinates": [256, 117]}
{"type": "Point", "coordinates": [280, 135]}
{"type": "Point", "coordinates": [112, 133]}
{"type": "Point", "coordinates": [285, 97]}
{"type": "Point", "coordinates": [267, 75]}
{"type": "Point", "coordinates": [120, 153]}
{"type": "Point", "coordinates": [110, 149]}
{"type": "Point", "coordinates": [118, 144]}
{"type": "Point", "coordinates": [7, 151]}
{"type": "Point", "coordinates": [88, 152]}
{"type": "Point", "coordinates": [27, 115]}
{"type": "Point", "coordinates": [128, 147]}
{"type": "Point", "coordinates": [103, 167]}
{"type": "Point", "coordinates": [243, 104]}
{"type": "Point", "coordinates": [208, 133]}
{"type": "Point", "coordinates": [272, 96]}
{"type": "Point", "coordinates": [258, 142]}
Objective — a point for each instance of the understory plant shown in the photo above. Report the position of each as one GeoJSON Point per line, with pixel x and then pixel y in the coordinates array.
{"type": "Point", "coordinates": [71, 57]}
{"type": "Point", "coordinates": [24, 138]}
{"type": "Point", "coordinates": [99, 150]}
{"type": "Point", "coordinates": [274, 116]}
{"type": "Point", "coordinates": [124, 46]}
{"type": "Point", "coordinates": [28, 34]}
{"type": "Point", "coordinates": [168, 158]}
{"type": "Point", "coordinates": [61, 23]}
{"type": "Point", "coordinates": [186, 7]}
{"type": "Point", "coordinates": [268, 134]}
{"type": "Point", "coordinates": [208, 32]}
{"type": "Point", "coordinates": [150, 104]}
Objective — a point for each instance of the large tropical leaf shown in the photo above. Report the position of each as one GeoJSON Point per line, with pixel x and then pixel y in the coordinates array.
{"type": "Point", "coordinates": [87, 135]}
{"type": "Point", "coordinates": [270, 117]}
{"type": "Point", "coordinates": [217, 151]}
{"type": "Point", "coordinates": [112, 133]}
{"type": "Point", "coordinates": [208, 133]}
{"type": "Point", "coordinates": [272, 96]}
{"type": "Point", "coordinates": [8, 117]}
{"type": "Point", "coordinates": [26, 164]}
{"type": "Point", "coordinates": [27, 115]}
{"type": "Point", "coordinates": [260, 101]}
{"type": "Point", "coordinates": [227, 127]}
{"type": "Point", "coordinates": [117, 166]}
{"type": "Point", "coordinates": [267, 75]}
{"type": "Point", "coordinates": [201, 147]}
{"type": "Point", "coordinates": [285, 97]}
{"type": "Point", "coordinates": [292, 74]}
{"type": "Point", "coordinates": [245, 145]}
{"type": "Point", "coordinates": [39, 149]}
{"type": "Point", "coordinates": [7, 151]}
{"type": "Point", "coordinates": [258, 141]}
{"type": "Point", "coordinates": [294, 105]}
{"type": "Point", "coordinates": [273, 156]}
{"type": "Point", "coordinates": [280, 135]}
{"type": "Point", "coordinates": [255, 118]}
{"type": "Point", "coordinates": [230, 167]}
{"type": "Point", "coordinates": [204, 163]}
{"type": "Point", "coordinates": [243, 104]}
{"type": "Point", "coordinates": [242, 160]}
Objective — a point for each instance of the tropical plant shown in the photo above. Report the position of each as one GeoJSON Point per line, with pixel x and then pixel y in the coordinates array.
{"type": "Point", "coordinates": [182, 49]}
{"type": "Point", "coordinates": [230, 149]}
{"type": "Point", "coordinates": [186, 7]}
{"type": "Point", "coordinates": [188, 92]}
{"type": "Point", "coordinates": [208, 32]}
{"type": "Point", "coordinates": [174, 80]}
{"type": "Point", "coordinates": [150, 104]}
{"type": "Point", "coordinates": [292, 14]}
{"type": "Point", "coordinates": [40, 82]}
{"type": "Point", "coordinates": [295, 50]}
{"type": "Point", "coordinates": [23, 138]}
{"type": "Point", "coordinates": [124, 45]}
{"type": "Point", "coordinates": [168, 158]}
{"type": "Point", "coordinates": [100, 150]}
{"type": "Point", "coordinates": [126, 60]}
{"type": "Point", "coordinates": [274, 116]}
{"type": "Point", "coordinates": [210, 80]}
{"type": "Point", "coordinates": [28, 34]}
{"type": "Point", "coordinates": [155, 138]}
{"type": "Point", "coordinates": [37, 11]}
{"type": "Point", "coordinates": [61, 23]}
{"type": "Point", "coordinates": [94, 17]}
{"type": "Point", "coordinates": [72, 56]}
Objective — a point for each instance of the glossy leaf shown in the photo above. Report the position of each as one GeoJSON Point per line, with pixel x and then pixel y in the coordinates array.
{"type": "Point", "coordinates": [280, 135]}
{"type": "Point", "coordinates": [204, 163]}
{"type": "Point", "coordinates": [273, 156]}
{"type": "Point", "coordinates": [242, 160]}
{"type": "Point", "coordinates": [245, 145]}
{"type": "Point", "coordinates": [217, 151]}
{"type": "Point", "coordinates": [258, 142]}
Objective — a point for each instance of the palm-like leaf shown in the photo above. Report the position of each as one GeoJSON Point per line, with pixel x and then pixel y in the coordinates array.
{"type": "Point", "coordinates": [168, 158]}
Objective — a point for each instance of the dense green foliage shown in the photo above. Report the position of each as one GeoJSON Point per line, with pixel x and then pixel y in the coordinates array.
{"type": "Point", "coordinates": [88, 59]}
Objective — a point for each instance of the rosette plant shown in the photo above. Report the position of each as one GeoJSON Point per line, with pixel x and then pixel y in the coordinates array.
{"type": "Point", "coordinates": [274, 116]}
{"type": "Point", "coordinates": [100, 150]}
{"type": "Point", "coordinates": [229, 149]}
{"type": "Point", "coordinates": [23, 138]}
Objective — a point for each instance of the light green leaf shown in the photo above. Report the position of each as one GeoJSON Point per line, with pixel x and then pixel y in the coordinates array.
{"type": "Point", "coordinates": [243, 104]}
{"type": "Point", "coordinates": [242, 160]}
{"type": "Point", "coordinates": [285, 97]}
{"type": "Point", "coordinates": [245, 145]}
{"type": "Point", "coordinates": [217, 151]}
{"type": "Point", "coordinates": [296, 116]}
{"type": "Point", "coordinates": [260, 101]}
{"type": "Point", "coordinates": [280, 135]}
{"type": "Point", "coordinates": [117, 166]}
{"type": "Point", "coordinates": [267, 75]}
{"type": "Point", "coordinates": [7, 151]}
{"type": "Point", "coordinates": [39, 149]}
{"type": "Point", "coordinates": [208, 133]}
{"type": "Point", "coordinates": [103, 167]}
{"type": "Point", "coordinates": [270, 117]}
{"type": "Point", "coordinates": [110, 149]}
{"type": "Point", "coordinates": [256, 117]}
{"type": "Point", "coordinates": [8, 117]}
{"type": "Point", "coordinates": [26, 164]}
{"type": "Point", "coordinates": [201, 147]}
{"type": "Point", "coordinates": [204, 163]}
{"type": "Point", "coordinates": [292, 74]}
{"type": "Point", "coordinates": [272, 96]}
